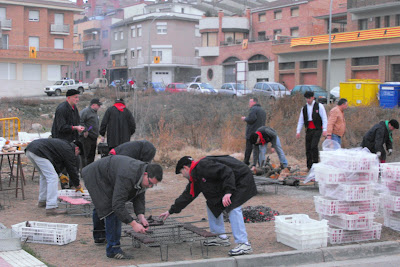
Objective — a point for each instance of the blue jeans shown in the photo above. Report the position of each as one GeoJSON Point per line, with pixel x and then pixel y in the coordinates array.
{"type": "Point", "coordinates": [278, 149]}
{"type": "Point", "coordinates": [337, 138]}
{"type": "Point", "coordinates": [237, 224]}
{"type": "Point", "coordinates": [112, 232]}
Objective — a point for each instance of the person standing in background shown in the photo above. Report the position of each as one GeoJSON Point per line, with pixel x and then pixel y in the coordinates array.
{"type": "Point", "coordinates": [336, 121]}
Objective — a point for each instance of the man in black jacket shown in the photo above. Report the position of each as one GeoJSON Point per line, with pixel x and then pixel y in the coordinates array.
{"type": "Point", "coordinates": [226, 183]}
{"type": "Point", "coordinates": [141, 150]}
{"type": "Point", "coordinates": [378, 135]}
{"type": "Point", "coordinates": [112, 181]}
{"type": "Point", "coordinates": [119, 124]}
{"type": "Point", "coordinates": [254, 120]}
{"type": "Point", "coordinates": [50, 156]}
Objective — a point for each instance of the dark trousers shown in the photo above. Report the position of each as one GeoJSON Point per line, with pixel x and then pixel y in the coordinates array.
{"type": "Point", "coordinates": [312, 140]}
{"type": "Point", "coordinates": [247, 153]}
{"type": "Point", "coordinates": [89, 147]}
{"type": "Point", "coordinates": [109, 228]}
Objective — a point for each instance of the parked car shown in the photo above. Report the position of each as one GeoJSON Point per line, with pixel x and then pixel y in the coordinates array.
{"type": "Point", "coordinates": [99, 83]}
{"type": "Point", "coordinates": [335, 92]}
{"type": "Point", "coordinates": [176, 87]}
{"type": "Point", "coordinates": [272, 89]}
{"type": "Point", "coordinates": [120, 85]}
{"type": "Point", "coordinates": [157, 86]}
{"type": "Point", "coordinates": [320, 94]}
{"type": "Point", "coordinates": [233, 89]}
{"type": "Point", "coordinates": [202, 88]}
{"type": "Point", "coordinates": [62, 86]}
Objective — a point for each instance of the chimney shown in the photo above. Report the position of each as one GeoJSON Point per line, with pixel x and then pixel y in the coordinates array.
{"type": "Point", "coordinates": [248, 13]}
{"type": "Point", "coordinates": [221, 36]}
{"type": "Point", "coordinates": [79, 3]}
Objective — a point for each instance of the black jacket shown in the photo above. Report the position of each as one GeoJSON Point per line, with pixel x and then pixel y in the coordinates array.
{"type": "Point", "coordinates": [64, 119]}
{"type": "Point", "coordinates": [114, 180]}
{"type": "Point", "coordinates": [215, 176]}
{"type": "Point", "coordinates": [255, 119]}
{"type": "Point", "coordinates": [141, 150]}
{"type": "Point", "coordinates": [60, 153]}
{"type": "Point", "coordinates": [376, 137]}
{"type": "Point", "coordinates": [119, 126]}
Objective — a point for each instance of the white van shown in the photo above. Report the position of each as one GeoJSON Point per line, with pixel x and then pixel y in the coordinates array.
{"type": "Point", "coordinates": [98, 83]}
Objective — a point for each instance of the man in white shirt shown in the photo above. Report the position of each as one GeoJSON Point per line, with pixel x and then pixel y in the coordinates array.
{"type": "Point", "coordinates": [313, 117]}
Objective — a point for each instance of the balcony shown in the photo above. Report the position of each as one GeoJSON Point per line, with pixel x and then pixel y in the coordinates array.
{"type": "Point", "coordinates": [355, 6]}
{"type": "Point", "coordinates": [62, 29]}
{"type": "Point", "coordinates": [208, 24]}
{"type": "Point", "coordinates": [177, 60]}
{"type": "Point", "coordinates": [6, 24]}
{"type": "Point", "coordinates": [117, 63]}
{"type": "Point", "coordinates": [209, 51]}
{"type": "Point", "coordinates": [91, 44]}
{"type": "Point", "coordinates": [235, 24]}
{"type": "Point", "coordinates": [15, 52]}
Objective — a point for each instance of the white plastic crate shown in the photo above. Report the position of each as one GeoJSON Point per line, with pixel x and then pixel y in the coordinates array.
{"type": "Point", "coordinates": [46, 233]}
{"type": "Point", "coordinates": [299, 224]}
{"type": "Point", "coordinates": [350, 221]}
{"type": "Point", "coordinates": [339, 236]}
{"type": "Point", "coordinates": [347, 192]}
{"type": "Point", "coordinates": [392, 186]}
{"type": "Point", "coordinates": [390, 171]}
{"type": "Point", "coordinates": [390, 202]}
{"type": "Point", "coordinates": [72, 193]}
{"type": "Point", "coordinates": [350, 160]}
{"type": "Point", "coordinates": [304, 242]}
{"type": "Point", "coordinates": [328, 206]}
{"type": "Point", "coordinates": [331, 175]}
{"type": "Point", "coordinates": [391, 219]}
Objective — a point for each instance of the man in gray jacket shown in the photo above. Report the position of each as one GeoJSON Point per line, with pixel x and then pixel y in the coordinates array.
{"type": "Point", "coordinates": [112, 181]}
{"type": "Point", "coordinates": [262, 137]}
{"type": "Point", "coordinates": [141, 150]}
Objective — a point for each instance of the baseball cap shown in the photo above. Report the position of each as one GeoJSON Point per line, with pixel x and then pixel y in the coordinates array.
{"type": "Point", "coordinates": [184, 161]}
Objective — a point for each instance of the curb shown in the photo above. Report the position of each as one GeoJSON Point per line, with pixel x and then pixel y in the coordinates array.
{"type": "Point", "coordinates": [292, 258]}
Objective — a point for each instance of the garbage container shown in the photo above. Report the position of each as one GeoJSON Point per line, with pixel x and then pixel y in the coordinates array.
{"type": "Point", "coordinates": [360, 92]}
{"type": "Point", "coordinates": [389, 95]}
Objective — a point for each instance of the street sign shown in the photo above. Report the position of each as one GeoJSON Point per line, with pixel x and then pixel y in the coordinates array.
{"type": "Point", "coordinates": [156, 60]}
{"type": "Point", "coordinates": [104, 71]}
{"type": "Point", "coordinates": [32, 52]}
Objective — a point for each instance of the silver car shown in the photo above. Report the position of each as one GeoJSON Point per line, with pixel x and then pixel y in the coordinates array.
{"type": "Point", "coordinates": [272, 89]}
{"type": "Point", "coordinates": [233, 89]}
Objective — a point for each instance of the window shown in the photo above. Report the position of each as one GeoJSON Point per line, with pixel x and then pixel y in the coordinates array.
{"type": "Point", "coordinates": [363, 24]}
{"type": "Point", "coordinates": [365, 61]}
{"type": "Point", "coordinates": [139, 30]}
{"type": "Point", "coordinates": [58, 43]}
{"type": "Point", "coordinates": [161, 28]}
{"type": "Point", "coordinates": [209, 39]}
{"type": "Point", "coordinates": [115, 36]}
{"type": "Point", "coordinates": [94, 55]}
{"type": "Point", "coordinates": [210, 74]}
{"type": "Point", "coordinates": [133, 32]}
{"type": "Point", "coordinates": [387, 21]}
{"type": "Point", "coordinates": [277, 33]}
{"type": "Point", "coordinates": [139, 52]}
{"type": "Point", "coordinates": [261, 36]}
{"type": "Point", "coordinates": [32, 72]}
{"type": "Point", "coordinates": [59, 18]}
{"type": "Point", "coordinates": [262, 17]}
{"type": "Point", "coordinates": [4, 41]}
{"type": "Point", "coordinates": [308, 64]}
{"type": "Point", "coordinates": [278, 14]}
{"type": "Point", "coordinates": [258, 62]}
{"type": "Point", "coordinates": [2, 13]}
{"type": "Point", "coordinates": [7, 71]}
{"type": "Point", "coordinates": [87, 74]}
{"type": "Point", "coordinates": [105, 53]}
{"type": "Point", "coordinates": [132, 53]}
{"type": "Point", "coordinates": [104, 34]}
{"type": "Point", "coordinates": [286, 66]}
{"type": "Point", "coordinates": [182, 10]}
{"type": "Point", "coordinates": [33, 15]}
{"type": "Point", "coordinates": [294, 32]}
{"type": "Point", "coordinates": [157, 53]}
{"type": "Point", "coordinates": [34, 42]}
{"type": "Point", "coordinates": [121, 35]}
{"type": "Point", "coordinates": [377, 22]}
{"type": "Point", "coordinates": [294, 11]}
{"type": "Point", "coordinates": [197, 31]}
{"type": "Point", "coordinates": [398, 20]}
{"type": "Point", "coordinates": [54, 72]}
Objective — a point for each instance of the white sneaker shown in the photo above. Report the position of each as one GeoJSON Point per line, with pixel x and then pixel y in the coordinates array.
{"type": "Point", "coordinates": [241, 249]}
{"type": "Point", "coordinates": [217, 241]}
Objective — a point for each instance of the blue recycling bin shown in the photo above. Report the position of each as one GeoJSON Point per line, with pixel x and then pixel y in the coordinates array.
{"type": "Point", "coordinates": [389, 95]}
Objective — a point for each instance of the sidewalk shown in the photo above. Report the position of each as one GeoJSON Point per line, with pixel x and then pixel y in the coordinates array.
{"type": "Point", "coordinates": [295, 258]}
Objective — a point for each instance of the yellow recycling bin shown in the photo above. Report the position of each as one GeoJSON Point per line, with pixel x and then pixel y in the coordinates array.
{"type": "Point", "coordinates": [360, 92]}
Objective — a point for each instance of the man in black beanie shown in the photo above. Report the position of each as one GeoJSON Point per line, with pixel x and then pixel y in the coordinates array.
{"type": "Point", "coordinates": [379, 134]}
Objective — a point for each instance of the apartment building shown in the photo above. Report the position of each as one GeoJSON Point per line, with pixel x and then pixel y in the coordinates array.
{"type": "Point", "coordinates": [367, 49]}
{"type": "Point", "coordinates": [46, 27]}
{"type": "Point", "coordinates": [249, 38]}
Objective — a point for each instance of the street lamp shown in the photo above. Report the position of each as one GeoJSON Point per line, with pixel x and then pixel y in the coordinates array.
{"type": "Point", "coordinates": [328, 74]}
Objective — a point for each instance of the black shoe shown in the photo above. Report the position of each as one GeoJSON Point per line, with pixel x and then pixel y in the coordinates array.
{"type": "Point", "coordinates": [120, 256]}
{"type": "Point", "coordinates": [100, 241]}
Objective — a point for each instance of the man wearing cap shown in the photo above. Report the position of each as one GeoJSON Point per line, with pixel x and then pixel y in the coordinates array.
{"type": "Point", "coordinates": [141, 150]}
{"type": "Point", "coordinates": [226, 183]}
{"type": "Point", "coordinates": [90, 120]}
{"type": "Point", "coordinates": [119, 124]}
{"type": "Point", "coordinates": [262, 137]}
{"type": "Point", "coordinates": [50, 157]}
{"type": "Point", "coordinates": [313, 117]}
{"type": "Point", "coordinates": [112, 181]}
{"type": "Point", "coordinates": [66, 120]}
{"type": "Point", "coordinates": [379, 134]}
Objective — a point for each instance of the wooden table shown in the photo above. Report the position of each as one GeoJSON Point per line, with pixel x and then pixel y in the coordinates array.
{"type": "Point", "coordinates": [19, 183]}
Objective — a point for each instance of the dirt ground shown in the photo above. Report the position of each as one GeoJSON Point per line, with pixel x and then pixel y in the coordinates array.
{"type": "Point", "coordinates": [83, 252]}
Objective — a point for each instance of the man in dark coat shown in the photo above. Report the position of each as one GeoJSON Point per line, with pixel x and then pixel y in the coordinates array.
{"type": "Point", "coordinates": [66, 120]}
{"type": "Point", "coordinates": [226, 183]}
{"type": "Point", "coordinates": [119, 124]}
{"type": "Point", "coordinates": [254, 120]}
{"type": "Point", "coordinates": [141, 150]}
{"type": "Point", "coordinates": [50, 157]}
{"type": "Point", "coordinates": [112, 181]}
{"type": "Point", "coordinates": [378, 135]}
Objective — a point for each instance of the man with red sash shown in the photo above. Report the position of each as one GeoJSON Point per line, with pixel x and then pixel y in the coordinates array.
{"type": "Point", "coordinates": [226, 183]}
{"type": "Point", "coordinates": [313, 117]}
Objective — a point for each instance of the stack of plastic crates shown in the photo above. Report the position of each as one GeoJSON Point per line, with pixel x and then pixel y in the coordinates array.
{"type": "Point", "coordinates": [345, 179]}
{"type": "Point", "coordinates": [300, 232]}
{"type": "Point", "coordinates": [75, 202]}
{"type": "Point", "coordinates": [390, 200]}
